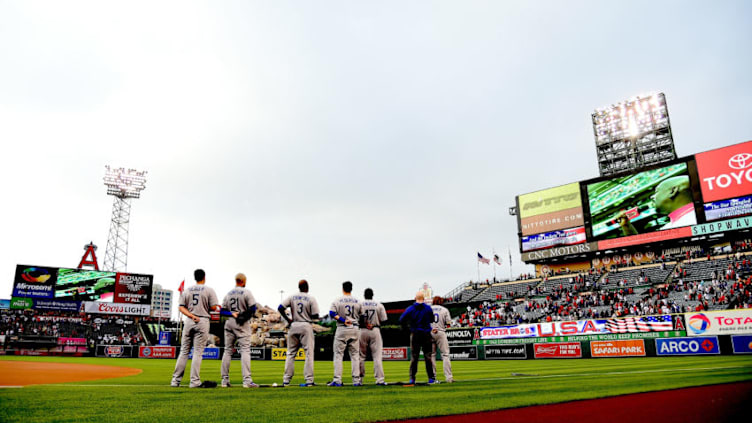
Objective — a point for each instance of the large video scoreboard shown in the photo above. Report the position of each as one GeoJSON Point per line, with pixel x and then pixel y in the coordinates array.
{"type": "Point", "coordinates": [81, 290]}
{"type": "Point", "coordinates": [687, 197]}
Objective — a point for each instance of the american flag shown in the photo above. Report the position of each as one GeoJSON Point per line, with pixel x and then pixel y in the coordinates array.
{"type": "Point", "coordinates": [483, 260]}
{"type": "Point", "coordinates": [640, 324]}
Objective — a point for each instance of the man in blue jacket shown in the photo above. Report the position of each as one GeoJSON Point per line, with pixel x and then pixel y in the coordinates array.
{"type": "Point", "coordinates": [419, 317]}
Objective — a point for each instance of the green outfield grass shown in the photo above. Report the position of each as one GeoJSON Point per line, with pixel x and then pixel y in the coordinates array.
{"type": "Point", "coordinates": [481, 385]}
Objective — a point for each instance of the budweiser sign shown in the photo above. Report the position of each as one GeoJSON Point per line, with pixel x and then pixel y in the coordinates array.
{"type": "Point", "coordinates": [116, 308]}
{"type": "Point", "coordinates": [725, 172]}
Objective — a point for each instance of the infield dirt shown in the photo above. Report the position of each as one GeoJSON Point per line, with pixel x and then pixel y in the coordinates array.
{"type": "Point", "coordinates": [24, 373]}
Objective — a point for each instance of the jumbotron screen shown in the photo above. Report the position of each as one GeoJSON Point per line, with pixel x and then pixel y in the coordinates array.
{"type": "Point", "coordinates": [645, 202]}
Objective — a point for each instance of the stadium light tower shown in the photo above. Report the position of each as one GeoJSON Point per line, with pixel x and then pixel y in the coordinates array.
{"type": "Point", "coordinates": [123, 185]}
{"type": "Point", "coordinates": [633, 134]}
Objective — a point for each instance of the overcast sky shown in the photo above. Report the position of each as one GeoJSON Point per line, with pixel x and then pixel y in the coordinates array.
{"type": "Point", "coordinates": [377, 142]}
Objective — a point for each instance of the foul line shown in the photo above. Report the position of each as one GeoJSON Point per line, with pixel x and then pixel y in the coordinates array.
{"type": "Point", "coordinates": [693, 369]}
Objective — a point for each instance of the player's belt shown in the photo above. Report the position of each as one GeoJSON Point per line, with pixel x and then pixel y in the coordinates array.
{"type": "Point", "coordinates": [373, 327]}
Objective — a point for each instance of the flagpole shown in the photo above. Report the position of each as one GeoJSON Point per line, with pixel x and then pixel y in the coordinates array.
{"type": "Point", "coordinates": [478, 263]}
{"type": "Point", "coordinates": [510, 262]}
{"type": "Point", "coordinates": [494, 265]}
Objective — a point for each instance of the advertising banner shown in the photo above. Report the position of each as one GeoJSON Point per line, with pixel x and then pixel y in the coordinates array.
{"type": "Point", "coordinates": [505, 352]}
{"type": "Point", "coordinates": [462, 336]}
{"type": "Point", "coordinates": [558, 350]}
{"type": "Point", "coordinates": [394, 353]}
{"type": "Point", "coordinates": [165, 338]}
{"type": "Point", "coordinates": [42, 304]}
{"type": "Point", "coordinates": [664, 235]}
{"type": "Point", "coordinates": [156, 352]}
{"type": "Point", "coordinates": [551, 239]}
{"type": "Point", "coordinates": [210, 353]}
{"type": "Point", "coordinates": [34, 281]}
{"type": "Point", "coordinates": [560, 251]}
{"type": "Point", "coordinates": [627, 348]}
{"type": "Point", "coordinates": [726, 322]}
{"type": "Point", "coordinates": [258, 353]}
{"type": "Point", "coordinates": [728, 208]}
{"type": "Point", "coordinates": [281, 354]}
{"type": "Point", "coordinates": [131, 288]}
{"type": "Point", "coordinates": [21, 303]}
{"type": "Point", "coordinates": [71, 341]}
{"type": "Point", "coordinates": [722, 226]}
{"type": "Point", "coordinates": [113, 308]}
{"type": "Point", "coordinates": [548, 222]}
{"type": "Point", "coordinates": [114, 351]}
{"type": "Point", "coordinates": [4, 304]}
{"type": "Point", "coordinates": [463, 352]}
{"type": "Point", "coordinates": [550, 200]}
{"type": "Point", "coordinates": [742, 344]}
{"type": "Point", "coordinates": [581, 338]}
{"type": "Point", "coordinates": [687, 346]}
{"type": "Point", "coordinates": [642, 203]}
{"type": "Point", "coordinates": [725, 172]}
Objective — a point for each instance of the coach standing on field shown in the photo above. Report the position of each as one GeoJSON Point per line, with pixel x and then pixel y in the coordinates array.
{"type": "Point", "coordinates": [195, 303]}
{"type": "Point", "coordinates": [419, 317]}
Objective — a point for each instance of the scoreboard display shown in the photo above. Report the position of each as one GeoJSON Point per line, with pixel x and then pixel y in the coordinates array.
{"type": "Point", "coordinates": [674, 200]}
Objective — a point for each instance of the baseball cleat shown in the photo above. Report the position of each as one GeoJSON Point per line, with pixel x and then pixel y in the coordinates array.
{"type": "Point", "coordinates": [307, 384]}
{"type": "Point", "coordinates": [357, 384]}
{"type": "Point", "coordinates": [381, 383]}
{"type": "Point", "coordinates": [226, 385]}
{"type": "Point", "coordinates": [333, 383]}
{"type": "Point", "coordinates": [175, 385]}
{"type": "Point", "coordinates": [250, 385]}
{"type": "Point", "coordinates": [433, 382]}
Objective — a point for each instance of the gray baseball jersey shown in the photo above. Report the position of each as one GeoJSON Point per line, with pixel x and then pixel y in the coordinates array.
{"type": "Point", "coordinates": [441, 318]}
{"type": "Point", "coordinates": [199, 299]}
{"type": "Point", "coordinates": [348, 307]}
{"type": "Point", "coordinates": [239, 300]}
{"type": "Point", "coordinates": [303, 307]}
{"type": "Point", "coordinates": [373, 312]}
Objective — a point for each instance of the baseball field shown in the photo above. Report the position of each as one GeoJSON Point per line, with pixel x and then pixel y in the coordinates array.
{"type": "Point", "coordinates": [145, 395]}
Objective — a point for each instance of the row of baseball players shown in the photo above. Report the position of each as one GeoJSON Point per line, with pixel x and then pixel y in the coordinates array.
{"type": "Point", "coordinates": [358, 323]}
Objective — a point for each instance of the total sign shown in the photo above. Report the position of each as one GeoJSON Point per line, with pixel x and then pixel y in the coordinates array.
{"type": "Point", "coordinates": [725, 172]}
{"type": "Point", "coordinates": [687, 346]}
{"type": "Point", "coordinates": [726, 322]}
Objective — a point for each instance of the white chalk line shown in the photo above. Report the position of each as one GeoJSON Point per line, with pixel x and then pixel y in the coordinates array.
{"type": "Point", "coordinates": [572, 375]}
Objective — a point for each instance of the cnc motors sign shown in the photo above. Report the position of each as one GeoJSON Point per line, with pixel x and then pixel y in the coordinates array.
{"type": "Point", "coordinates": [113, 308]}
{"type": "Point", "coordinates": [558, 350]}
{"type": "Point", "coordinates": [727, 322]}
{"type": "Point", "coordinates": [625, 348]}
{"type": "Point", "coordinates": [725, 172]}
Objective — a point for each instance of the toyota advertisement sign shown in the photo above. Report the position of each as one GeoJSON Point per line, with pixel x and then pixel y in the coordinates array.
{"type": "Point", "coordinates": [726, 172]}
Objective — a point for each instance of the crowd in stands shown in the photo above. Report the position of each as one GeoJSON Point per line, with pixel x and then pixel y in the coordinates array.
{"type": "Point", "coordinates": [696, 281]}
{"type": "Point", "coordinates": [96, 329]}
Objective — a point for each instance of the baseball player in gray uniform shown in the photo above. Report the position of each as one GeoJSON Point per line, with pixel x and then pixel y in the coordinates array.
{"type": "Point", "coordinates": [195, 303]}
{"type": "Point", "coordinates": [373, 316]}
{"type": "Point", "coordinates": [441, 319]}
{"type": "Point", "coordinates": [238, 302]}
{"type": "Point", "coordinates": [346, 310]}
{"type": "Point", "coordinates": [304, 310]}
